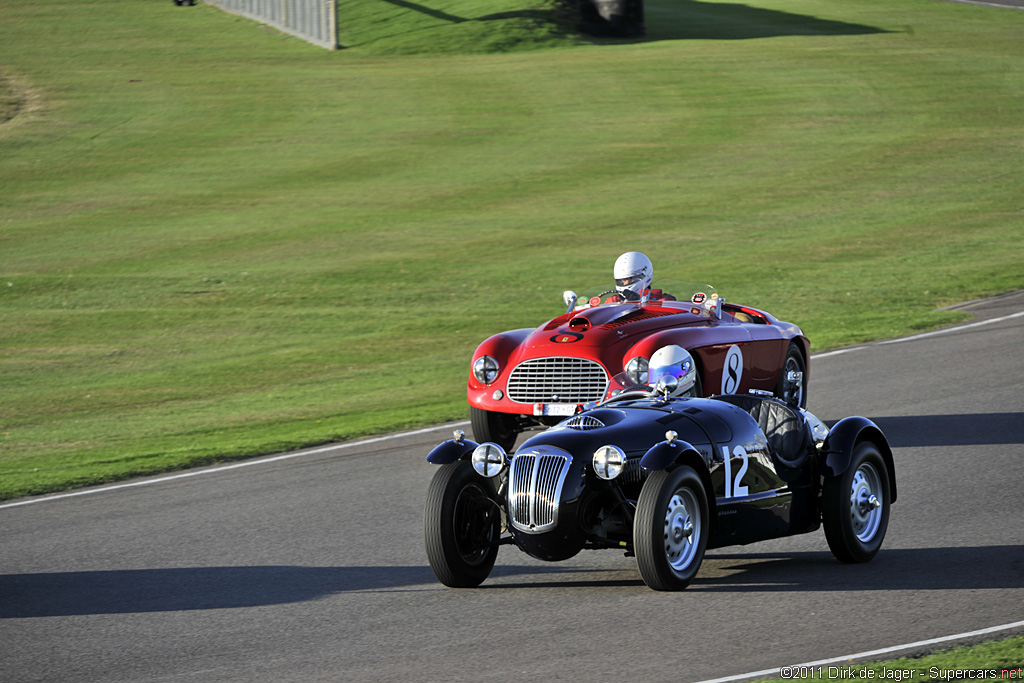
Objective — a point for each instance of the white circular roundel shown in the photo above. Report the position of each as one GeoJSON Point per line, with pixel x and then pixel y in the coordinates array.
{"type": "Point", "coordinates": [732, 371]}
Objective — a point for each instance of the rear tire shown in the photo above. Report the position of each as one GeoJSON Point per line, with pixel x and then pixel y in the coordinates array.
{"type": "Point", "coordinates": [855, 506]}
{"type": "Point", "coordinates": [499, 428]}
{"type": "Point", "coordinates": [671, 528]}
{"type": "Point", "coordinates": [461, 525]}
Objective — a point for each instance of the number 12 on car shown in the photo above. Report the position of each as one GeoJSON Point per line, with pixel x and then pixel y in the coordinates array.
{"type": "Point", "coordinates": [733, 488]}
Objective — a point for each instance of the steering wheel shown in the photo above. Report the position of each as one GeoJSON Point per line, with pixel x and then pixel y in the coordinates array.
{"type": "Point", "coordinates": [621, 294]}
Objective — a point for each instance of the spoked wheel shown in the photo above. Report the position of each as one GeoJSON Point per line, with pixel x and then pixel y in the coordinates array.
{"type": "Point", "coordinates": [461, 526]}
{"type": "Point", "coordinates": [855, 506]}
{"type": "Point", "coordinates": [670, 532]}
{"type": "Point", "coordinates": [792, 385]}
{"type": "Point", "coordinates": [499, 428]}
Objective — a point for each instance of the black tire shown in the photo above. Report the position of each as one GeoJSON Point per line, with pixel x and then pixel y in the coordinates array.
{"type": "Point", "coordinates": [668, 553]}
{"type": "Point", "coordinates": [854, 525]}
{"type": "Point", "coordinates": [794, 397]}
{"type": "Point", "coordinates": [461, 525]}
{"type": "Point", "coordinates": [499, 428]}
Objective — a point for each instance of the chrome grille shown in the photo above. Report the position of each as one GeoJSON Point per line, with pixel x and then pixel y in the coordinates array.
{"type": "Point", "coordinates": [535, 486]}
{"type": "Point", "coordinates": [582, 423]}
{"type": "Point", "coordinates": [557, 380]}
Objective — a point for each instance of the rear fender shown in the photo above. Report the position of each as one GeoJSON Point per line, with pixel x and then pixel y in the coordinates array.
{"type": "Point", "coordinates": [837, 451]}
{"type": "Point", "coordinates": [451, 450]}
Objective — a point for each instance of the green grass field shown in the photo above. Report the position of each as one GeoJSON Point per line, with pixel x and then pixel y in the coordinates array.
{"type": "Point", "coordinates": [218, 241]}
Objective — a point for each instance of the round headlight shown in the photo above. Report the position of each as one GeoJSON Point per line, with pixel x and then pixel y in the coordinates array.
{"type": "Point", "coordinates": [485, 369]}
{"type": "Point", "coordinates": [488, 459]}
{"type": "Point", "coordinates": [609, 461]}
{"type": "Point", "coordinates": [636, 370]}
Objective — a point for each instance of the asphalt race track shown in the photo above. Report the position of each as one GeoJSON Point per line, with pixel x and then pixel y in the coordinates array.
{"type": "Point", "coordinates": [312, 567]}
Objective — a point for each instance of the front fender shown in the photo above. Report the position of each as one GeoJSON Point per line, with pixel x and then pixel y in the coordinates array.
{"type": "Point", "coordinates": [837, 451]}
{"type": "Point", "coordinates": [663, 455]}
{"type": "Point", "coordinates": [501, 346]}
{"type": "Point", "coordinates": [450, 451]}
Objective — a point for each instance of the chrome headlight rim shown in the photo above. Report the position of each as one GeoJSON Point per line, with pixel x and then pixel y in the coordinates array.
{"type": "Point", "coordinates": [489, 459]}
{"type": "Point", "coordinates": [486, 369]}
{"type": "Point", "coordinates": [637, 370]}
{"type": "Point", "coordinates": [609, 462]}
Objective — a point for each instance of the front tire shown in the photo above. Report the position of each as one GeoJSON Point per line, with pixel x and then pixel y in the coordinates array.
{"type": "Point", "coordinates": [793, 394]}
{"type": "Point", "coordinates": [461, 525]}
{"type": "Point", "coordinates": [671, 528]}
{"type": "Point", "coordinates": [855, 506]}
{"type": "Point", "coordinates": [495, 427]}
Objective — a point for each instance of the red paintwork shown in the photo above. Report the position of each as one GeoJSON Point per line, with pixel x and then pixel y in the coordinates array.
{"type": "Point", "coordinates": [612, 334]}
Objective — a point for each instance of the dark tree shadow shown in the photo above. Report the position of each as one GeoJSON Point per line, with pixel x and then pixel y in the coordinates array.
{"type": "Point", "coordinates": [683, 20]}
{"type": "Point", "coordinates": [900, 569]}
{"type": "Point", "coordinates": [128, 591]}
{"type": "Point", "coordinates": [691, 20]}
{"type": "Point", "coordinates": [199, 588]}
{"type": "Point", "coordinates": [953, 430]}
{"type": "Point", "coordinates": [437, 14]}
{"type": "Point", "coordinates": [912, 569]}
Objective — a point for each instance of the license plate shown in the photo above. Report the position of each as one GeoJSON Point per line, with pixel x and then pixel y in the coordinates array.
{"type": "Point", "coordinates": [555, 409]}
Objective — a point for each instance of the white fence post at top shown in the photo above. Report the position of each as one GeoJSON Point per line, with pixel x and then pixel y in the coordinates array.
{"type": "Point", "coordinates": [302, 21]}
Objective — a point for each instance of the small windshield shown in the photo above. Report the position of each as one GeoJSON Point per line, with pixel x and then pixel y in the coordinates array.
{"type": "Point", "coordinates": [661, 290]}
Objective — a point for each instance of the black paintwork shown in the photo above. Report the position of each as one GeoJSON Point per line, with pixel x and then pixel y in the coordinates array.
{"type": "Point", "coordinates": [777, 493]}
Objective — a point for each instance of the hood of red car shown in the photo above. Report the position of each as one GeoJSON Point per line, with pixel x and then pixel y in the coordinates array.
{"type": "Point", "coordinates": [606, 325]}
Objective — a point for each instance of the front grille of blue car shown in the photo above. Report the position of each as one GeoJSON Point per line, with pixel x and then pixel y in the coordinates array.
{"type": "Point", "coordinates": [558, 380]}
{"type": "Point", "coordinates": [535, 486]}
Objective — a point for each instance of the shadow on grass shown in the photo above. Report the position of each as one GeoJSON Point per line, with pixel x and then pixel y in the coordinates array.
{"type": "Point", "coordinates": [535, 14]}
{"type": "Point", "coordinates": [686, 20]}
{"type": "Point", "coordinates": [691, 20]}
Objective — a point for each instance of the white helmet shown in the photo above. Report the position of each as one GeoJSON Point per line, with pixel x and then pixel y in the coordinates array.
{"type": "Point", "coordinates": [676, 362]}
{"type": "Point", "coordinates": [633, 273]}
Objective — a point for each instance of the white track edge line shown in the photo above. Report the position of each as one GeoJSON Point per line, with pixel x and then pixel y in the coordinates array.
{"type": "Point", "coordinates": [777, 671]}
{"type": "Point", "coordinates": [987, 4]}
{"type": "Point", "coordinates": [923, 335]}
{"type": "Point", "coordinates": [233, 466]}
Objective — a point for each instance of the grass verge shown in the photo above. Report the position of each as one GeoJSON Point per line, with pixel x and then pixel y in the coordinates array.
{"type": "Point", "coordinates": [218, 241]}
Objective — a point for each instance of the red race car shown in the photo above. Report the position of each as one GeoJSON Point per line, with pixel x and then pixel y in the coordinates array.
{"type": "Point", "coordinates": [603, 344]}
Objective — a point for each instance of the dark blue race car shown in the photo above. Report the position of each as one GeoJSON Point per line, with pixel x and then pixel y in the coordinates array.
{"type": "Point", "coordinates": [663, 479]}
